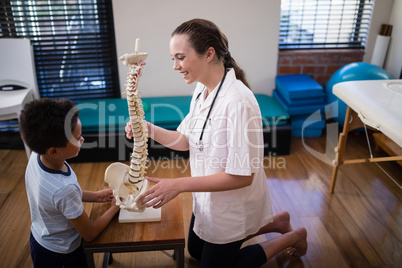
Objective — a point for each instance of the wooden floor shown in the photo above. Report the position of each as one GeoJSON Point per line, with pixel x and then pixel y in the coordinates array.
{"type": "Point", "coordinates": [359, 226]}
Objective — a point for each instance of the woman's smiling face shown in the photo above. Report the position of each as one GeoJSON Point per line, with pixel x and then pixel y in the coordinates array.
{"type": "Point", "coordinates": [186, 61]}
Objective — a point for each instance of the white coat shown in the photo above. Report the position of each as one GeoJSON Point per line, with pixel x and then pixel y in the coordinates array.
{"type": "Point", "coordinates": [233, 143]}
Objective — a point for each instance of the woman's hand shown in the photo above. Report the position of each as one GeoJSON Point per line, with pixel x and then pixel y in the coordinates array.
{"type": "Point", "coordinates": [129, 130]}
{"type": "Point", "coordinates": [162, 192]}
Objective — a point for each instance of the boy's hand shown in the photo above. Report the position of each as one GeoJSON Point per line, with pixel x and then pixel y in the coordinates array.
{"type": "Point", "coordinates": [105, 195]}
{"type": "Point", "coordinates": [113, 202]}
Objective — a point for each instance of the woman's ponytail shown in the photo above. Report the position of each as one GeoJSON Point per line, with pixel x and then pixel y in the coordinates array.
{"type": "Point", "coordinates": [229, 62]}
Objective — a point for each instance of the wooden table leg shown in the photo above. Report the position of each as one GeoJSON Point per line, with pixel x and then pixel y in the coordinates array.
{"type": "Point", "coordinates": [90, 259]}
{"type": "Point", "coordinates": [336, 164]}
{"type": "Point", "coordinates": [340, 149]}
{"type": "Point", "coordinates": [179, 253]}
{"type": "Point", "coordinates": [107, 259]}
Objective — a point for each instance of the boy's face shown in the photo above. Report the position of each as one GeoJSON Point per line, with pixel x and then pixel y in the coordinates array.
{"type": "Point", "coordinates": [74, 145]}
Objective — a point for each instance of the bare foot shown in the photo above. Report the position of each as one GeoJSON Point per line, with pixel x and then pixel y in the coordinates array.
{"type": "Point", "coordinates": [283, 226]}
{"type": "Point", "coordinates": [300, 247]}
{"type": "Point", "coordinates": [284, 222]}
{"type": "Point", "coordinates": [295, 242]}
{"type": "Point", "coordinates": [280, 224]}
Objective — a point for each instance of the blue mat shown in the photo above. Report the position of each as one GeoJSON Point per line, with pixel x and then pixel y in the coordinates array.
{"type": "Point", "coordinates": [110, 115]}
{"type": "Point", "coordinates": [271, 111]}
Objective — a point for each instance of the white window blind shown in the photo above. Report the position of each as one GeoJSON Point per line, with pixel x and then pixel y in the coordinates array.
{"type": "Point", "coordinates": [312, 24]}
{"type": "Point", "coordinates": [73, 43]}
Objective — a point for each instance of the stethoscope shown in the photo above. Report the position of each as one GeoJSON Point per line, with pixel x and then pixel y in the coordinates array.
{"type": "Point", "coordinates": [199, 145]}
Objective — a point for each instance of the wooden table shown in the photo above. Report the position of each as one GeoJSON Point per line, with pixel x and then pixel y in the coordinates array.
{"type": "Point", "coordinates": [375, 104]}
{"type": "Point", "coordinates": [142, 236]}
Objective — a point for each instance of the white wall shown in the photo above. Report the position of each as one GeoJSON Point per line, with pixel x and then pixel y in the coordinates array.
{"type": "Point", "coordinates": [251, 26]}
{"type": "Point", "coordinates": [387, 12]}
{"type": "Point", "coordinates": [381, 11]}
{"type": "Point", "coordinates": [393, 63]}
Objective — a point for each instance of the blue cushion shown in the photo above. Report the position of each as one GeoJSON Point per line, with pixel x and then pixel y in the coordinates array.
{"type": "Point", "coordinates": [302, 102]}
{"type": "Point", "coordinates": [307, 132]}
{"type": "Point", "coordinates": [297, 110]}
{"type": "Point", "coordinates": [298, 121]}
{"type": "Point", "coordinates": [298, 86]}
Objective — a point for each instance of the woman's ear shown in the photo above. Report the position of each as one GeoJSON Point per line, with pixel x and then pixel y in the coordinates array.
{"type": "Point", "coordinates": [210, 54]}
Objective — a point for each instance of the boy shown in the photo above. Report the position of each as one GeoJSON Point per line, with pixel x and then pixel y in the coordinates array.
{"type": "Point", "coordinates": [52, 130]}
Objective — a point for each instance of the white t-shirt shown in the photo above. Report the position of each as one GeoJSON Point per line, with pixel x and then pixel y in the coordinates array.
{"type": "Point", "coordinates": [232, 143]}
{"type": "Point", "coordinates": [54, 198]}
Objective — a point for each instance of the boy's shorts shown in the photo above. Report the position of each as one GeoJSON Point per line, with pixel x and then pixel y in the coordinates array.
{"type": "Point", "coordinates": [42, 257]}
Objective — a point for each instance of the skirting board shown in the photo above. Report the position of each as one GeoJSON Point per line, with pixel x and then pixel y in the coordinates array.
{"type": "Point", "coordinates": [149, 215]}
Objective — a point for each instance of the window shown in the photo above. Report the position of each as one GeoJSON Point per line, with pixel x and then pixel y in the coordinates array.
{"type": "Point", "coordinates": [312, 24]}
{"type": "Point", "coordinates": [73, 43]}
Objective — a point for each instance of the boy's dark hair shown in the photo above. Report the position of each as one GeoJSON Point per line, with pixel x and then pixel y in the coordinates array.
{"type": "Point", "coordinates": [43, 121]}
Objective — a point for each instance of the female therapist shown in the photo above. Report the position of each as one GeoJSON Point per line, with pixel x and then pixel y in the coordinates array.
{"type": "Point", "coordinates": [223, 132]}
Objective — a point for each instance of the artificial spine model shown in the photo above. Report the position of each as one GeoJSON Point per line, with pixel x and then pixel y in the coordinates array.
{"type": "Point", "coordinates": [126, 187]}
{"type": "Point", "coordinates": [136, 111]}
